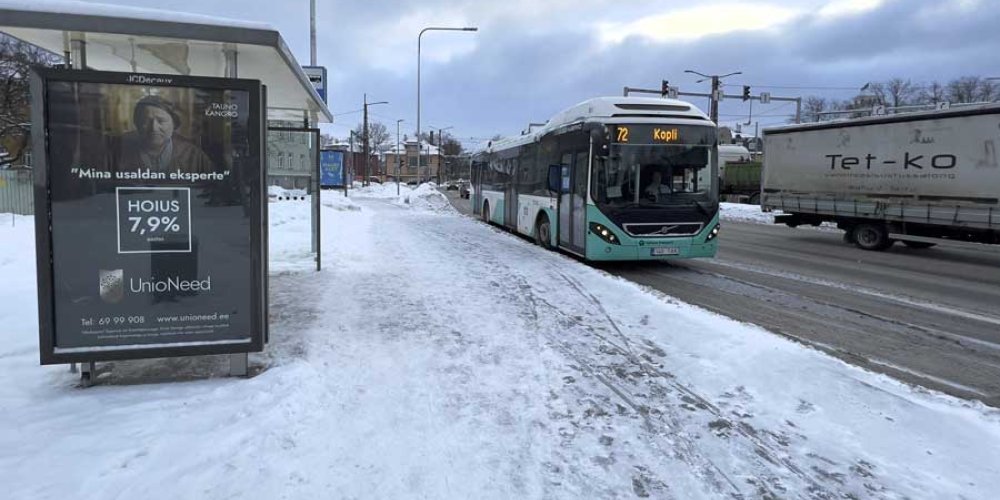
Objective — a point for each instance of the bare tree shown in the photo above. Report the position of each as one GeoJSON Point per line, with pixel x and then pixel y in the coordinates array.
{"type": "Point", "coordinates": [450, 146]}
{"type": "Point", "coordinates": [900, 92]}
{"type": "Point", "coordinates": [989, 91]}
{"type": "Point", "coordinates": [964, 89]}
{"type": "Point", "coordinates": [378, 134]}
{"type": "Point", "coordinates": [16, 60]}
{"type": "Point", "coordinates": [872, 94]}
{"type": "Point", "coordinates": [812, 109]}
{"type": "Point", "coordinates": [326, 140]}
{"type": "Point", "coordinates": [933, 93]}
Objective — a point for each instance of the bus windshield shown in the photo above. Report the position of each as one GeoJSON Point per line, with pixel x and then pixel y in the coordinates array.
{"type": "Point", "coordinates": [653, 175]}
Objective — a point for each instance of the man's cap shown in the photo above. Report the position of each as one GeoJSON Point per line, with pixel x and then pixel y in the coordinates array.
{"type": "Point", "coordinates": [158, 102]}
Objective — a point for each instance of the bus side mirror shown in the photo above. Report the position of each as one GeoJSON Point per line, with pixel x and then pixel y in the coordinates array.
{"type": "Point", "coordinates": [555, 178]}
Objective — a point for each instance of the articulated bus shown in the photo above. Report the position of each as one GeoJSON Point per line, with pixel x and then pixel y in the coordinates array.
{"type": "Point", "coordinates": [612, 178]}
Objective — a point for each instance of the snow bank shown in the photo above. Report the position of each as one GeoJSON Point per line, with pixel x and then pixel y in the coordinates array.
{"type": "Point", "coordinates": [739, 212]}
{"type": "Point", "coordinates": [745, 213]}
{"type": "Point", "coordinates": [375, 190]}
{"type": "Point", "coordinates": [427, 197]}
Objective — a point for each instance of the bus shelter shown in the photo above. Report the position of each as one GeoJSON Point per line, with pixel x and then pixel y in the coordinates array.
{"type": "Point", "coordinates": [151, 42]}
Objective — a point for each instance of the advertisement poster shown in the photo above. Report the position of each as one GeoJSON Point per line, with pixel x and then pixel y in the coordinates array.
{"type": "Point", "coordinates": [155, 210]}
{"type": "Point", "coordinates": [331, 167]}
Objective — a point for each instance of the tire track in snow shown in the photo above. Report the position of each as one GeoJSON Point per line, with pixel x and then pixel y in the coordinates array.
{"type": "Point", "coordinates": [687, 451]}
{"type": "Point", "coordinates": [761, 448]}
{"type": "Point", "coordinates": [816, 486]}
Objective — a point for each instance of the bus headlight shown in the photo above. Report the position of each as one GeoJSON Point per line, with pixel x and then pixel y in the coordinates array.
{"type": "Point", "coordinates": [713, 233]}
{"type": "Point", "coordinates": [604, 233]}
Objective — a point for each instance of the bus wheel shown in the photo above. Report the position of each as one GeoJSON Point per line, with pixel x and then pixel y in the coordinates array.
{"type": "Point", "coordinates": [543, 232]}
{"type": "Point", "coordinates": [918, 244]}
{"type": "Point", "coordinates": [872, 236]}
{"type": "Point", "coordinates": [486, 212]}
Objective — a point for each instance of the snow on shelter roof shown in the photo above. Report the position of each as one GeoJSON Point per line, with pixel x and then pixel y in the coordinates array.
{"type": "Point", "coordinates": [131, 39]}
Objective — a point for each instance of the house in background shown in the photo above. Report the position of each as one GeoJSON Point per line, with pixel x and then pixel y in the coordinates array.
{"type": "Point", "coordinates": [406, 158]}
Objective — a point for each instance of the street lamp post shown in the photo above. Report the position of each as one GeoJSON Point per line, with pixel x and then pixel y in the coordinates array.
{"type": "Point", "coordinates": [433, 28]}
{"type": "Point", "coordinates": [716, 80]}
{"type": "Point", "coordinates": [364, 137]}
{"type": "Point", "coordinates": [398, 159]}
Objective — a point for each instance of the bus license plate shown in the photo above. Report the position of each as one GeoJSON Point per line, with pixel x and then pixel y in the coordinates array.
{"type": "Point", "coordinates": [666, 251]}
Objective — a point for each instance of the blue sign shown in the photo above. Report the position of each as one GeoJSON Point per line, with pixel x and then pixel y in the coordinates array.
{"type": "Point", "coordinates": [331, 168]}
{"type": "Point", "coordinates": [317, 77]}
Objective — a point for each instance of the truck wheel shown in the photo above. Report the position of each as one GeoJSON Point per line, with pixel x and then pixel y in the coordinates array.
{"type": "Point", "coordinates": [871, 236]}
{"type": "Point", "coordinates": [918, 244]}
{"type": "Point", "coordinates": [543, 232]}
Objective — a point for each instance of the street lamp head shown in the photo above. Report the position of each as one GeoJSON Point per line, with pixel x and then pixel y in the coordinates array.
{"type": "Point", "coordinates": [470, 28]}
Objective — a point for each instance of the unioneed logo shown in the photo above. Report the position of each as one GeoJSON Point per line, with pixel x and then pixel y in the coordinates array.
{"type": "Point", "coordinates": [112, 285]}
{"type": "Point", "coordinates": [174, 284]}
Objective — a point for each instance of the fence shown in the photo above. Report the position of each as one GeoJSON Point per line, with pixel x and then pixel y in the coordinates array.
{"type": "Point", "coordinates": [16, 192]}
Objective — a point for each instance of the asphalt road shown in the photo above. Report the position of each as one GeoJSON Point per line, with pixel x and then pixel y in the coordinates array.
{"type": "Point", "coordinates": [929, 317]}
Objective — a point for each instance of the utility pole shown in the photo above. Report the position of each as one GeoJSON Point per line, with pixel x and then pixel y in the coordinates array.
{"type": "Point", "coordinates": [399, 160]}
{"type": "Point", "coordinates": [714, 113]}
{"type": "Point", "coordinates": [364, 138]}
{"type": "Point", "coordinates": [440, 156]}
{"type": "Point", "coordinates": [352, 156]}
{"type": "Point", "coordinates": [364, 141]}
{"type": "Point", "coordinates": [716, 95]}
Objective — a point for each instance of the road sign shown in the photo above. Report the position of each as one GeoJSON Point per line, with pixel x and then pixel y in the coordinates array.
{"type": "Point", "coordinates": [720, 95]}
{"type": "Point", "coordinates": [317, 77]}
{"type": "Point", "coordinates": [673, 92]}
{"type": "Point", "coordinates": [765, 97]}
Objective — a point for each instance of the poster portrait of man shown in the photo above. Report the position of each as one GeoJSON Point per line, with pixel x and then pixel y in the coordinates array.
{"type": "Point", "coordinates": [155, 142]}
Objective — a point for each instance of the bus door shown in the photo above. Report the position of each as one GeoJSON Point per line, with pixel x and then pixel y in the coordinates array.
{"type": "Point", "coordinates": [476, 186]}
{"type": "Point", "coordinates": [510, 195]}
{"type": "Point", "coordinates": [572, 201]}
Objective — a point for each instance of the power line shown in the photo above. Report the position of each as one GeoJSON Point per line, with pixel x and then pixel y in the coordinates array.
{"type": "Point", "coordinates": [348, 112]}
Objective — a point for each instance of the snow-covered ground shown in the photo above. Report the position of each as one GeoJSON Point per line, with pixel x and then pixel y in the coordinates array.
{"type": "Point", "coordinates": [745, 213]}
{"type": "Point", "coordinates": [739, 212]}
{"type": "Point", "coordinates": [437, 357]}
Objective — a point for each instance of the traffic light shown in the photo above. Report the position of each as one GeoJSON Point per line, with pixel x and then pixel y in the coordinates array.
{"type": "Point", "coordinates": [746, 92]}
{"type": "Point", "coordinates": [432, 137]}
{"type": "Point", "coordinates": [664, 88]}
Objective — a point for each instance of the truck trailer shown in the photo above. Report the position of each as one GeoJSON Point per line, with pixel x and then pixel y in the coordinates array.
{"type": "Point", "coordinates": [915, 178]}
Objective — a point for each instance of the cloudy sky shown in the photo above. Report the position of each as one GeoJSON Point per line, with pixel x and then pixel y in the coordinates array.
{"type": "Point", "coordinates": [532, 58]}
